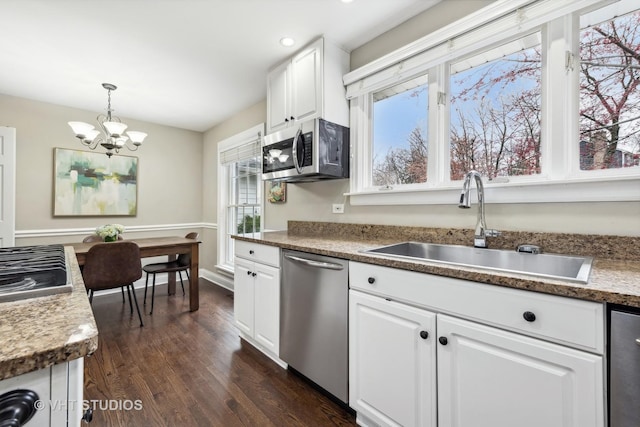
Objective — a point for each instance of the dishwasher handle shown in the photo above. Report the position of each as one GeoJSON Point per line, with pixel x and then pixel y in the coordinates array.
{"type": "Point", "coordinates": [317, 264]}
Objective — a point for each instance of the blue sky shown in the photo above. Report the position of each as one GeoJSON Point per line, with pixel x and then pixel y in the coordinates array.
{"type": "Point", "coordinates": [395, 118]}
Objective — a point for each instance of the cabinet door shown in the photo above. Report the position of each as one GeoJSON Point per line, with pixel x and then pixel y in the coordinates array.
{"type": "Point", "coordinates": [278, 97]}
{"type": "Point", "coordinates": [39, 382]}
{"type": "Point", "coordinates": [267, 307]}
{"type": "Point", "coordinates": [490, 377]}
{"type": "Point", "coordinates": [391, 366]}
{"type": "Point", "coordinates": [243, 297]}
{"type": "Point", "coordinates": [306, 91]}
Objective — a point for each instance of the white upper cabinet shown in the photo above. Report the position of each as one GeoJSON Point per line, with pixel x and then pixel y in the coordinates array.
{"type": "Point", "coordinates": [306, 82]}
{"type": "Point", "coordinates": [278, 102]}
{"type": "Point", "coordinates": [307, 86]}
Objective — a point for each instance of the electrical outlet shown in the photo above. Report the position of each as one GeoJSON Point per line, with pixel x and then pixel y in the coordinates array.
{"type": "Point", "coordinates": [338, 208]}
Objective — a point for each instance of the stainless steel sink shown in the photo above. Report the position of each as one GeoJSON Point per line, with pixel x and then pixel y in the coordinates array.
{"type": "Point", "coordinates": [553, 266]}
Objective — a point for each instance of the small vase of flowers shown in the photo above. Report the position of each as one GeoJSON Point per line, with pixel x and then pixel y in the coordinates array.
{"type": "Point", "coordinates": [110, 232]}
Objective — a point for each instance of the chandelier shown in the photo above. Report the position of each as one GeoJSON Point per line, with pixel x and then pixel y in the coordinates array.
{"type": "Point", "coordinates": [112, 137]}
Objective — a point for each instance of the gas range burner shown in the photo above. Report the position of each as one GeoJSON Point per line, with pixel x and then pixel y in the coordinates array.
{"type": "Point", "coordinates": [33, 271]}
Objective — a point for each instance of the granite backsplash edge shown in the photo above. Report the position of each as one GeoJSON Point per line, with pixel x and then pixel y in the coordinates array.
{"type": "Point", "coordinates": [598, 246]}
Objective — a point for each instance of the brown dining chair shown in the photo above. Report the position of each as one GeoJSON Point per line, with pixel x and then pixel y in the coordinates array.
{"type": "Point", "coordinates": [95, 238]}
{"type": "Point", "coordinates": [182, 263]}
{"type": "Point", "coordinates": [113, 265]}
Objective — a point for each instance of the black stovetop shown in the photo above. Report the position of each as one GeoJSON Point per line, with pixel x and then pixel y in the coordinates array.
{"type": "Point", "coordinates": [27, 271]}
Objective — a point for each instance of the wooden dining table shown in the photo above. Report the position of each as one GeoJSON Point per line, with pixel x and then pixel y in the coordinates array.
{"type": "Point", "coordinates": [158, 246]}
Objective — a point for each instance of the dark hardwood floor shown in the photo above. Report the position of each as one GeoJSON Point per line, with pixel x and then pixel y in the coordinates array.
{"type": "Point", "coordinates": [192, 369]}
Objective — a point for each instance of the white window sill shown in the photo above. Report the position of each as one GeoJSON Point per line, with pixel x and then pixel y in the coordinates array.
{"type": "Point", "coordinates": [579, 190]}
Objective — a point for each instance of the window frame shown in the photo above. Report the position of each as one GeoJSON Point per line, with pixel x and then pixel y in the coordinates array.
{"type": "Point", "coordinates": [225, 242]}
{"type": "Point", "coordinates": [560, 180]}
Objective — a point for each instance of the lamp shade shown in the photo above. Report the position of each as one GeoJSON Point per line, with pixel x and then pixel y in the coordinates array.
{"type": "Point", "coordinates": [136, 137]}
{"type": "Point", "coordinates": [115, 129]}
{"type": "Point", "coordinates": [120, 141]}
{"type": "Point", "coordinates": [91, 135]}
{"type": "Point", "coordinates": [81, 129]}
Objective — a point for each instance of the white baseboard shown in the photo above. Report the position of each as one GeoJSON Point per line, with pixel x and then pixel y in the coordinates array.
{"type": "Point", "coordinates": [219, 279]}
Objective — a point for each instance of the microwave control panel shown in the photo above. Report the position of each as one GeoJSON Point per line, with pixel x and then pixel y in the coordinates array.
{"type": "Point", "coordinates": [307, 149]}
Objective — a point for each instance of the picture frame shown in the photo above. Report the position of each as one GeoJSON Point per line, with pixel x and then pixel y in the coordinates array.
{"type": "Point", "coordinates": [87, 183]}
{"type": "Point", "coordinates": [276, 192]}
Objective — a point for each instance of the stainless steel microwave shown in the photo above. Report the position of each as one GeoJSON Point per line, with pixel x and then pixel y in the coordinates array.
{"type": "Point", "coordinates": [311, 151]}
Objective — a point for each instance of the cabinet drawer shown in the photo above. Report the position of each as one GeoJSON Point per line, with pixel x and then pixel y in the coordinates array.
{"type": "Point", "coordinates": [564, 320]}
{"type": "Point", "coordinates": [259, 253]}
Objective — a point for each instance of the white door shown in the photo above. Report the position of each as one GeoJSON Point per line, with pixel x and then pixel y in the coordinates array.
{"type": "Point", "coordinates": [278, 98]}
{"type": "Point", "coordinates": [392, 361]}
{"type": "Point", "coordinates": [243, 295]}
{"type": "Point", "coordinates": [267, 307]}
{"type": "Point", "coordinates": [306, 92]}
{"type": "Point", "coordinates": [490, 377]}
{"type": "Point", "coordinates": [7, 186]}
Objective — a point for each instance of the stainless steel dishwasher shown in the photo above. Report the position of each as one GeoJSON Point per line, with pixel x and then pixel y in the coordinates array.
{"type": "Point", "coordinates": [624, 367]}
{"type": "Point", "coordinates": [314, 319]}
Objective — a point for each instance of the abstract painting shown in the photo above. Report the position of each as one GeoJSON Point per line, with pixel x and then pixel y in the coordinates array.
{"type": "Point", "coordinates": [92, 184]}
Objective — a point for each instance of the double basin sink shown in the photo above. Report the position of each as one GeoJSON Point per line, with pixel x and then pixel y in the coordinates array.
{"type": "Point", "coordinates": [551, 266]}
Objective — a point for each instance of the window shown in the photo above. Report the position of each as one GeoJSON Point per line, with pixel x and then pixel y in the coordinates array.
{"type": "Point", "coordinates": [542, 98]}
{"type": "Point", "coordinates": [400, 133]}
{"type": "Point", "coordinates": [243, 208]}
{"type": "Point", "coordinates": [609, 92]}
{"type": "Point", "coordinates": [495, 111]}
{"type": "Point", "coordinates": [240, 191]}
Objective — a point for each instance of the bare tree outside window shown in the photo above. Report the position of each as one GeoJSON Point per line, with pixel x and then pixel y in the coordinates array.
{"type": "Point", "coordinates": [495, 111]}
{"type": "Point", "coordinates": [609, 94]}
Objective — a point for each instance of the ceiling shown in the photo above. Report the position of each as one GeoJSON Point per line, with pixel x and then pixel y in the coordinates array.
{"type": "Point", "coordinates": [184, 63]}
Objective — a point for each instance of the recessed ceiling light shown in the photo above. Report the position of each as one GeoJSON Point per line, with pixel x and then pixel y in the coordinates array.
{"type": "Point", "coordinates": [287, 41]}
{"type": "Point", "coordinates": [346, 1]}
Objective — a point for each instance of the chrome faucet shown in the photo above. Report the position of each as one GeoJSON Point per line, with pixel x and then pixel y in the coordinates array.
{"type": "Point", "coordinates": [481, 233]}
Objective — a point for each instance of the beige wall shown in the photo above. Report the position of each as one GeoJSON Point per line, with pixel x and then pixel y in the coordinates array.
{"type": "Point", "coordinates": [170, 171]}
{"type": "Point", "coordinates": [312, 201]}
{"type": "Point", "coordinates": [442, 14]}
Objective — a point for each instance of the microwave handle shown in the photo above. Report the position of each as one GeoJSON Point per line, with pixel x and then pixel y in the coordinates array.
{"type": "Point", "coordinates": [294, 151]}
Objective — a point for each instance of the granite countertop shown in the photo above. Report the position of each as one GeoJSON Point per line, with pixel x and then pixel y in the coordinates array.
{"type": "Point", "coordinates": [612, 280]}
{"type": "Point", "coordinates": [40, 332]}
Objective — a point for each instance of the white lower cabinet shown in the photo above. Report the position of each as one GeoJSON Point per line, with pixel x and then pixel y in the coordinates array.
{"type": "Point", "coordinates": [392, 362]}
{"type": "Point", "coordinates": [490, 377]}
{"type": "Point", "coordinates": [415, 364]}
{"type": "Point", "coordinates": [60, 392]}
{"type": "Point", "coordinates": [257, 297]}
